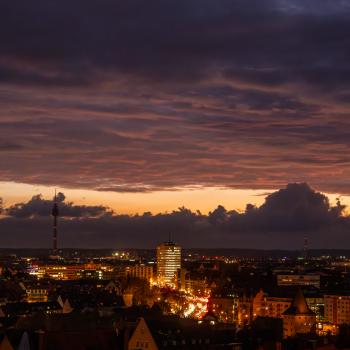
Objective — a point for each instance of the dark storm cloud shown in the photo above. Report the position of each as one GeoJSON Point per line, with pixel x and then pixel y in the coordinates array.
{"type": "Point", "coordinates": [6, 146]}
{"type": "Point", "coordinates": [257, 41]}
{"type": "Point", "coordinates": [294, 208]}
{"type": "Point", "coordinates": [38, 207]}
{"type": "Point", "coordinates": [144, 96]}
{"type": "Point", "coordinates": [281, 221]}
{"type": "Point", "coordinates": [158, 40]}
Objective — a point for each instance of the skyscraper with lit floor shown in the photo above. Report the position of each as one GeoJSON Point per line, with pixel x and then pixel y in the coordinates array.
{"type": "Point", "coordinates": [168, 262]}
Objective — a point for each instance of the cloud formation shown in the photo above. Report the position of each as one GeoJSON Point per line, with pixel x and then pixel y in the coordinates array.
{"type": "Point", "coordinates": [144, 96]}
{"type": "Point", "coordinates": [296, 208]}
{"type": "Point", "coordinates": [281, 221]}
{"type": "Point", "coordinates": [39, 207]}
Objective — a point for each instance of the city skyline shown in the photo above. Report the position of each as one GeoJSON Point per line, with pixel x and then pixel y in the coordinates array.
{"type": "Point", "coordinates": [175, 174]}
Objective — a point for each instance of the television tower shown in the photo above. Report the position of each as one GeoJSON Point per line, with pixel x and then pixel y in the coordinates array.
{"type": "Point", "coordinates": [306, 247]}
{"type": "Point", "coordinates": [55, 214]}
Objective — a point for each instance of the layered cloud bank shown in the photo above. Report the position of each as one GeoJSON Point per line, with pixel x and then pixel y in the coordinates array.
{"type": "Point", "coordinates": [152, 95]}
{"type": "Point", "coordinates": [281, 221]}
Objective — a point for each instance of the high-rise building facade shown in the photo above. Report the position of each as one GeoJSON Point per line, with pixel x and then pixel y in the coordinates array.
{"type": "Point", "coordinates": [168, 262]}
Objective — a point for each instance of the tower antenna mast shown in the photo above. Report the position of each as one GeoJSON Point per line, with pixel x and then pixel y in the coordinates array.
{"type": "Point", "coordinates": [55, 214]}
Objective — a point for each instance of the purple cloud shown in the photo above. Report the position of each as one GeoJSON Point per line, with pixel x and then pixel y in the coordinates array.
{"type": "Point", "coordinates": [129, 96]}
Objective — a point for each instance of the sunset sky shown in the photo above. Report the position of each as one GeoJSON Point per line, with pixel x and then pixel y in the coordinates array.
{"type": "Point", "coordinates": [203, 199]}
{"type": "Point", "coordinates": [151, 105]}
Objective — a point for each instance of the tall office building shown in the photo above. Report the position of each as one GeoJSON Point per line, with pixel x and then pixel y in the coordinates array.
{"type": "Point", "coordinates": [168, 262]}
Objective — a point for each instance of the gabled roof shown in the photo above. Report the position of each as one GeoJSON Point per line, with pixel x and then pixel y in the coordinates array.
{"type": "Point", "coordinates": [67, 308]}
{"type": "Point", "coordinates": [188, 333]}
{"type": "Point", "coordinates": [24, 343]}
{"type": "Point", "coordinates": [143, 332]}
{"type": "Point", "coordinates": [5, 344]}
{"type": "Point", "coordinates": [299, 306]}
{"type": "Point", "coordinates": [60, 301]}
{"type": "Point", "coordinates": [14, 339]}
{"type": "Point", "coordinates": [71, 322]}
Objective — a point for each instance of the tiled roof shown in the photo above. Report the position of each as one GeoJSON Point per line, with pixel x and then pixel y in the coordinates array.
{"type": "Point", "coordinates": [299, 306]}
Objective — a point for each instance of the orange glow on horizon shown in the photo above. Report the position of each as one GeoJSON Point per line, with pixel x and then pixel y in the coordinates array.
{"type": "Point", "coordinates": [203, 199]}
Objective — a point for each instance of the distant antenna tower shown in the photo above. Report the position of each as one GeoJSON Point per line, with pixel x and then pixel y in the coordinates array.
{"type": "Point", "coordinates": [306, 247]}
{"type": "Point", "coordinates": [55, 214]}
